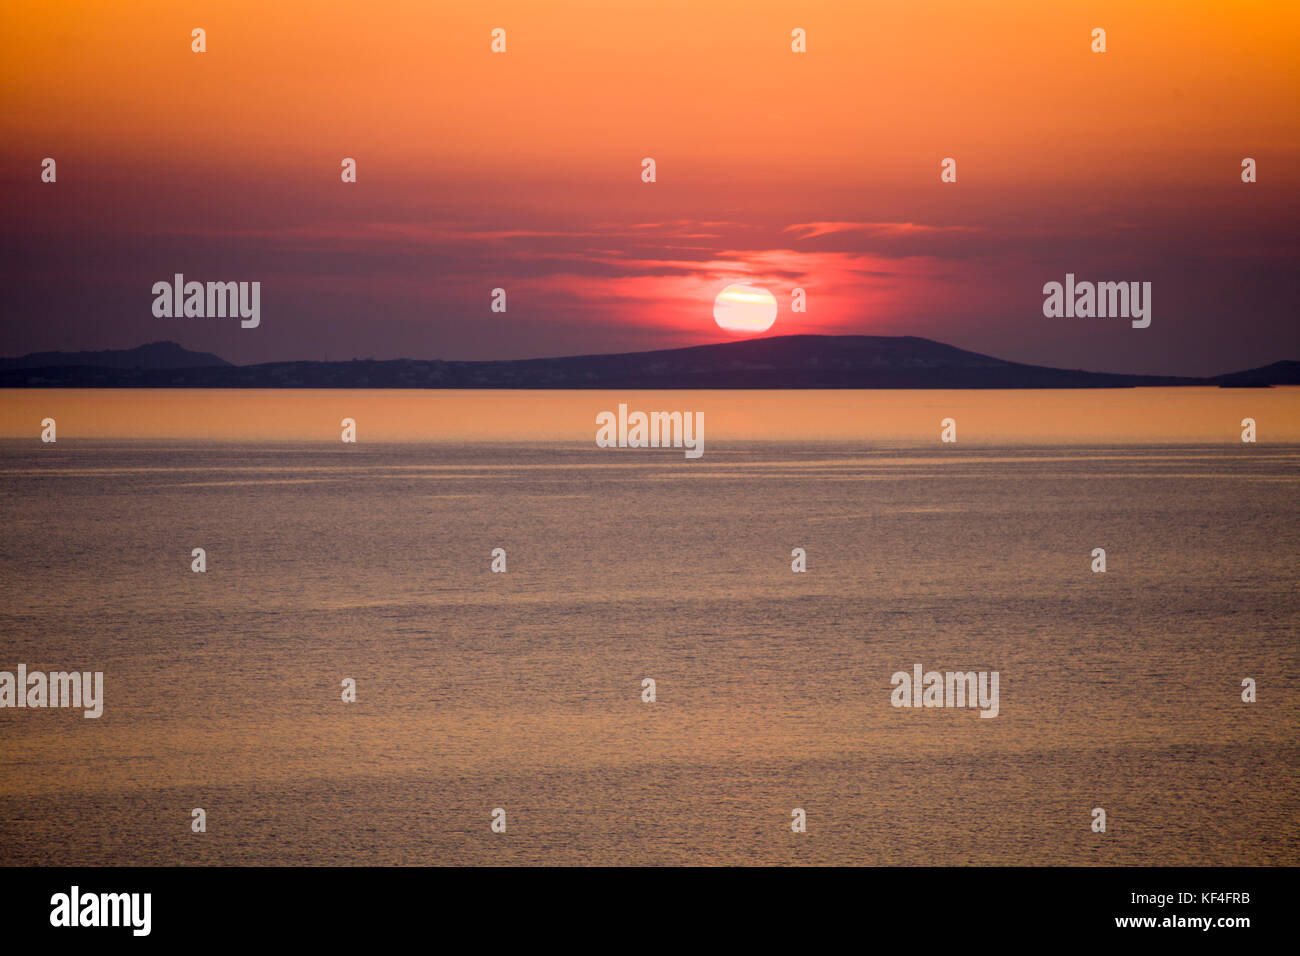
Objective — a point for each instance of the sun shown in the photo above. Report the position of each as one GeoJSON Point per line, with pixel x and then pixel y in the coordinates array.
{"type": "Point", "coordinates": [744, 309]}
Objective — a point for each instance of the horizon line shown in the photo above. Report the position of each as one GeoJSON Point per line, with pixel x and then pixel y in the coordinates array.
{"type": "Point", "coordinates": [601, 355]}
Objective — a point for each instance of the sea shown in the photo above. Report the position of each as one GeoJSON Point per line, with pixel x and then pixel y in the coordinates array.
{"type": "Point", "coordinates": [519, 696]}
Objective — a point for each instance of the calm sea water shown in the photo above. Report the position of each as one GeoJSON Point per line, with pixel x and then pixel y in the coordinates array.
{"type": "Point", "coordinates": [523, 690]}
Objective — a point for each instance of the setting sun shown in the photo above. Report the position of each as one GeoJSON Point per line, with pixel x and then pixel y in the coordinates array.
{"type": "Point", "coordinates": [744, 308]}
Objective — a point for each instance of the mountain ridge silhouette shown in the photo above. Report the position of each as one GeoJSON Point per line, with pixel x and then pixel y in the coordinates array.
{"type": "Point", "coordinates": [787, 361]}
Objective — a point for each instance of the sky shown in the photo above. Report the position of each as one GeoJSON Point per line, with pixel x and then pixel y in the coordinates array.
{"type": "Point", "coordinates": [522, 170]}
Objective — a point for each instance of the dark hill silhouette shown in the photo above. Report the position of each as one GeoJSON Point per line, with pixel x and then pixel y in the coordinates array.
{"type": "Point", "coordinates": [789, 361]}
{"type": "Point", "coordinates": [155, 356]}
{"type": "Point", "coordinates": [1279, 373]}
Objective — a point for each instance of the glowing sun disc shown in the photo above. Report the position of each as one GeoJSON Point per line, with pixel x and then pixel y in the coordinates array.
{"type": "Point", "coordinates": [744, 308]}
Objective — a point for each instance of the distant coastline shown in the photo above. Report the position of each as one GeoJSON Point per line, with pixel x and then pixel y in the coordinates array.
{"type": "Point", "coordinates": [778, 362]}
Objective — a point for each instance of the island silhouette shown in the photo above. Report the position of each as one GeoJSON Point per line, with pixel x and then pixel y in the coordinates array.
{"type": "Point", "coordinates": [777, 362]}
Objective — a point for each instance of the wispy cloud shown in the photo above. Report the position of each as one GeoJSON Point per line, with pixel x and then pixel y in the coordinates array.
{"type": "Point", "coordinates": [883, 230]}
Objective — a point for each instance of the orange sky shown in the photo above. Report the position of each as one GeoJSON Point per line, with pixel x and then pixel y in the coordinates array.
{"type": "Point", "coordinates": [711, 89]}
{"type": "Point", "coordinates": [227, 163]}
